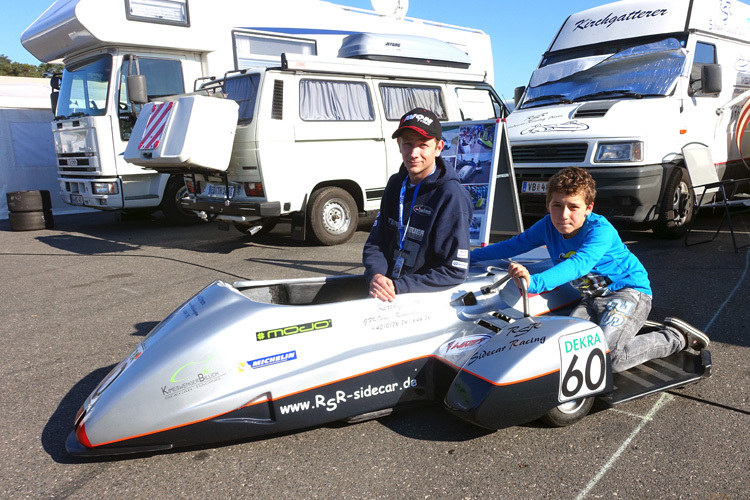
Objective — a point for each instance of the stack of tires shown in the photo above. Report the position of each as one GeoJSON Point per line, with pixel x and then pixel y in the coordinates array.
{"type": "Point", "coordinates": [30, 210]}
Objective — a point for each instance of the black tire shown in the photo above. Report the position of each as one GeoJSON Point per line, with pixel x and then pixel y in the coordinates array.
{"type": "Point", "coordinates": [267, 224]}
{"type": "Point", "coordinates": [29, 201]}
{"type": "Point", "coordinates": [332, 216]}
{"type": "Point", "coordinates": [170, 203]}
{"type": "Point", "coordinates": [568, 413]}
{"type": "Point", "coordinates": [676, 207]}
{"type": "Point", "coordinates": [31, 221]}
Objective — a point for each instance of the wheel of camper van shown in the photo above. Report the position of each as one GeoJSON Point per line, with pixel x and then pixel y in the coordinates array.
{"type": "Point", "coordinates": [568, 413]}
{"type": "Point", "coordinates": [332, 216]}
{"type": "Point", "coordinates": [676, 207]}
{"type": "Point", "coordinates": [170, 202]}
{"type": "Point", "coordinates": [267, 226]}
{"type": "Point", "coordinates": [31, 221]}
{"type": "Point", "coordinates": [29, 201]}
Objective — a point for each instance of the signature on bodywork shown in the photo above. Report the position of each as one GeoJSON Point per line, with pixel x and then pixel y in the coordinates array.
{"type": "Point", "coordinates": [569, 126]}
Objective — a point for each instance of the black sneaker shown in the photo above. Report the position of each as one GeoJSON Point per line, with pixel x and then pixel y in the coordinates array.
{"type": "Point", "coordinates": [694, 338]}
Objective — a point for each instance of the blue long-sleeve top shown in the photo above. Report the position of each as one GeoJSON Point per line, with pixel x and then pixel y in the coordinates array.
{"type": "Point", "coordinates": [594, 261]}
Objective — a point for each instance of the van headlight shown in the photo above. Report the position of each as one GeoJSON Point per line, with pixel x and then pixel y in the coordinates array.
{"type": "Point", "coordinates": [105, 188]}
{"type": "Point", "coordinates": [619, 151]}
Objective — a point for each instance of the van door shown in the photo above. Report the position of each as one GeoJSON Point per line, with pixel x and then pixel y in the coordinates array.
{"type": "Point", "coordinates": [338, 137]}
{"type": "Point", "coordinates": [700, 114]}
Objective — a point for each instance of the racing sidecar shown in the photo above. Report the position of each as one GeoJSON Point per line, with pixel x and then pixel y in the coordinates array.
{"type": "Point", "coordinates": [253, 358]}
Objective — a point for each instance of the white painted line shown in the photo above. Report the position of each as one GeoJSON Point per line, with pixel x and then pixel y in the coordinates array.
{"type": "Point", "coordinates": [663, 399]}
{"type": "Point", "coordinates": [739, 282]}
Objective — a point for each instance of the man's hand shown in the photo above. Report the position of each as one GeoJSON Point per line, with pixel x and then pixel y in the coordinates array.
{"type": "Point", "coordinates": [382, 288]}
{"type": "Point", "coordinates": [517, 271]}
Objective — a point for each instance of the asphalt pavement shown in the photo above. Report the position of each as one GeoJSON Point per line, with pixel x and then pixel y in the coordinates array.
{"type": "Point", "coordinates": [78, 298]}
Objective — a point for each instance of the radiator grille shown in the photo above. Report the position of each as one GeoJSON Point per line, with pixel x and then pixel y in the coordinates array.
{"type": "Point", "coordinates": [550, 153]}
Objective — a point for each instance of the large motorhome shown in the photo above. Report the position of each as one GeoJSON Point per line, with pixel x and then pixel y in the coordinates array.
{"type": "Point", "coordinates": [310, 140]}
{"type": "Point", "coordinates": [104, 44]}
{"type": "Point", "coordinates": [621, 89]}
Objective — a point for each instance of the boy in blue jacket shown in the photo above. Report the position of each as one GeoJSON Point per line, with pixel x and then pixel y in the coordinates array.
{"type": "Point", "coordinates": [420, 239]}
{"type": "Point", "coordinates": [587, 252]}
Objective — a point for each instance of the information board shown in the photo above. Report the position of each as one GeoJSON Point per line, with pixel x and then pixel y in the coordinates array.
{"type": "Point", "coordinates": [480, 154]}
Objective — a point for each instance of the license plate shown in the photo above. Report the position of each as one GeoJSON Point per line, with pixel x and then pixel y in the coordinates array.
{"type": "Point", "coordinates": [219, 191]}
{"type": "Point", "coordinates": [533, 187]}
{"type": "Point", "coordinates": [76, 199]}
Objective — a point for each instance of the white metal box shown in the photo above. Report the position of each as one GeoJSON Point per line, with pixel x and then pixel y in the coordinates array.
{"type": "Point", "coordinates": [193, 132]}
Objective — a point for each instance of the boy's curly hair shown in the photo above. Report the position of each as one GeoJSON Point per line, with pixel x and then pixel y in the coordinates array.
{"type": "Point", "coordinates": [572, 181]}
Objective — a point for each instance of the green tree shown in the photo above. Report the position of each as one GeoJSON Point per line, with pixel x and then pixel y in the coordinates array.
{"type": "Point", "coordinates": [12, 68]}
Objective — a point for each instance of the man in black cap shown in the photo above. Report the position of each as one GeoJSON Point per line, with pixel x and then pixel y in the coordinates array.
{"type": "Point", "coordinates": [420, 239]}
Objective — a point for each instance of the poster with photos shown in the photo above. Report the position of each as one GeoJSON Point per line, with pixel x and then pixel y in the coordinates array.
{"type": "Point", "coordinates": [470, 150]}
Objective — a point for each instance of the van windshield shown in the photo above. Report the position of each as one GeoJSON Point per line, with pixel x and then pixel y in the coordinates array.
{"type": "Point", "coordinates": [83, 91]}
{"type": "Point", "coordinates": [644, 70]}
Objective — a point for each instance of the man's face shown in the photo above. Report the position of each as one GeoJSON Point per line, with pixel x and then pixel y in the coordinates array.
{"type": "Point", "coordinates": [568, 213]}
{"type": "Point", "coordinates": [419, 154]}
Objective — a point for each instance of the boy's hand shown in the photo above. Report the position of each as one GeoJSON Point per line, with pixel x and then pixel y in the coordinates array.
{"type": "Point", "coordinates": [382, 288]}
{"type": "Point", "coordinates": [517, 271]}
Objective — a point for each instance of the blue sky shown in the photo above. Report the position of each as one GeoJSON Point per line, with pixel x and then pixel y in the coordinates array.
{"type": "Point", "coordinates": [520, 31]}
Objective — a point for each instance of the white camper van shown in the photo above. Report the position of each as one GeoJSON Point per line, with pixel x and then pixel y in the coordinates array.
{"type": "Point", "coordinates": [621, 89]}
{"type": "Point", "coordinates": [310, 140]}
{"type": "Point", "coordinates": [105, 44]}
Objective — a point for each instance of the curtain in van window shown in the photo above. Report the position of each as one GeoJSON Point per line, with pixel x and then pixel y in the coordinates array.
{"type": "Point", "coordinates": [334, 101]}
{"type": "Point", "coordinates": [399, 100]}
{"type": "Point", "coordinates": [244, 90]}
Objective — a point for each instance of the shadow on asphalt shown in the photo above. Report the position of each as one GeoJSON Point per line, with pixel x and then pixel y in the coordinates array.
{"type": "Point", "coordinates": [109, 233]}
{"type": "Point", "coordinates": [60, 424]}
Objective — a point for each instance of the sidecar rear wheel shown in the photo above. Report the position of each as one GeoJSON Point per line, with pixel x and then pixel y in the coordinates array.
{"type": "Point", "coordinates": [568, 413]}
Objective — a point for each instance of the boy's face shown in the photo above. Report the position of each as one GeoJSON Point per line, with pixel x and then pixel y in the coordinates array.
{"type": "Point", "coordinates": [419, 154]}
{"type": "Point", "coordinates": [568, 213]}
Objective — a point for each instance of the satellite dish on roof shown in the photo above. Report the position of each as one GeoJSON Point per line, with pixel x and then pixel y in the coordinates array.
{"type": "Point", "coordinates": [390, 8]}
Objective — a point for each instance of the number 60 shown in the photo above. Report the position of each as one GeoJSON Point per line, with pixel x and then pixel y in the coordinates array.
{"type": "Point", "coordinates": [579, 377]}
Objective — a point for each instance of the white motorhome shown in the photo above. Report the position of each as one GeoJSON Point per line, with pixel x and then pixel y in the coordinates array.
{"type": "Point", "coordinates": [308, 141]}
{"type": "Point", "coordinates": [621, 89]}
{"type": "Point", "coordinates": [103, 42]}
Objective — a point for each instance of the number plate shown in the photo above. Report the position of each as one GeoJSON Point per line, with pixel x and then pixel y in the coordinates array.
{"type": "Point", "coordinates": [76, 199]}
{"type": "Point", "coordinates": [583, 368]}
{"type": "Point", "coordinates": [533, 187]}
{"type": "Point", "coordinates": [219, 191]}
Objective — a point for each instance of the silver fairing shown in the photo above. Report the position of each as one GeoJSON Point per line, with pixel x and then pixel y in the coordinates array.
{"type": "Point", "coordinates": [224, 357]}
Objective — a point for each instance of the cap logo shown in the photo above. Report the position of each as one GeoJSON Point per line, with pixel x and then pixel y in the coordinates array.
{"type": "Point", "coordinates": [419, 118]}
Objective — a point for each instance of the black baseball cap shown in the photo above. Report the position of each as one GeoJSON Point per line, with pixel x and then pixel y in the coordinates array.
{"type": "Point", "coordinates": [423, 121]}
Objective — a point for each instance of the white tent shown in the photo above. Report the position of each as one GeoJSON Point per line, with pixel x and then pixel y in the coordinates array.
{"type": "Point", "coordinates": [27, 150]}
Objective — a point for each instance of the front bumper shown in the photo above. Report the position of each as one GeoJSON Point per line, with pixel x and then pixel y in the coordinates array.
{"type": "Point", "coordinates": [623, 194]}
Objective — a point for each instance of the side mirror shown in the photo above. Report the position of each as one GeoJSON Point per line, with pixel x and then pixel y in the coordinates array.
{"type": "Point", "coordinates": [711, 78]}
{"type": "Point", "coordinates": [55, 82]}
{"type": "Point", "coordinates": [517, 94]}
{"type": "Point", "coordinates": [137, 89]}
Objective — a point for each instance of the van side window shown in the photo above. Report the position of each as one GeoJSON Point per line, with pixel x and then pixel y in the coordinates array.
{"type": "Point", "coordinates": [244, 90]}
{"type": "Point", "coordinates": [704, 54]}
{"type": "Point", "coordinates": [397, 100]}
{"type": "Point", "coordinates": [163, 77]}
{"type": "Point", "coordinates": [479, 104]}
{"type": "Point", "coordinates": [325, 100]}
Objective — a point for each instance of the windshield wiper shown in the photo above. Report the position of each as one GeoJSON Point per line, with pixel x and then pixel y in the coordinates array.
{"type": "Point", "coordinates": [608, 93]}
{"type": "Point", "coordinates": [77, 114]}
{"type": "Point", "coordinates": [559, 97]}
